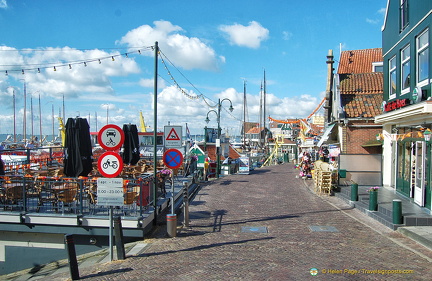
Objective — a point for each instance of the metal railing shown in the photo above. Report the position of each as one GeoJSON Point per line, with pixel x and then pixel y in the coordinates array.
{"type": "Point", "coordinates": [53, 195]}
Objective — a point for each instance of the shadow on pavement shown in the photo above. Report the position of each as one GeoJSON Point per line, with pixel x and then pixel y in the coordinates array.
{"type": "Point", "coordinates": [203, 247]}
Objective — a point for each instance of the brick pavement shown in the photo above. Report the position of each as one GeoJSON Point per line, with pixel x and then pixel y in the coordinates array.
{"type": "Point", "coordinates": [215, 248]}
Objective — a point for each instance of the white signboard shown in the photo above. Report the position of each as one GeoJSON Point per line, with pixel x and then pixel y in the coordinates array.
{"type": "Point", "coordinates": [244, 165]}
{"type": "Point", "coordinates": [110, 192]}
{"type": "Point", "coordinates": [173, 136]}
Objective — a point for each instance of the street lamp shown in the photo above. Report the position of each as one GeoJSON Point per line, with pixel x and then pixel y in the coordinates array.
{"type": "Point", "coordinates": [219, 105]}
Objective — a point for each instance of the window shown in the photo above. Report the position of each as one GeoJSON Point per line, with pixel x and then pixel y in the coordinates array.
{"type": "Point", "coordinates": [423, 58]}
{"type": "Point", "coordinates": [405, 69]}
{"type": "Point", "coordinates": [377, 66]}
{"type": "Point", "coordinates": [392, 78]}
{"type": "Point", "coordinates": [404, 18]}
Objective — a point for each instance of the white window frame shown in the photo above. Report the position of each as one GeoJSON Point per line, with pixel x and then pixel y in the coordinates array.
{"type": "Point", "coordinates": [391, 71]}
{"type": "Point", "coordinates": [403, 14]}
{"type": "Point", "coordinates": [420, 50]}
{"type": "Point", "coordinates": [404, 61]}
{"type": "Point", "coordinates": [377, 64]}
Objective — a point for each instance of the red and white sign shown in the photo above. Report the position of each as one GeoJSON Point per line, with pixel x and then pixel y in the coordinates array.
{"type": "Point", "coordinates": [173, 136]}
{"type": "Point", "coordinates": [173, 158]}
{"type": "Point", "coordinates": [110, 164]}
{"type": "Point", "coordinates": [111, 137]}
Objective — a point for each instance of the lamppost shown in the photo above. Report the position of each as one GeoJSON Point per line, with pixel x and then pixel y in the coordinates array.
{"type": "Point", "coordinates": [218, 152]}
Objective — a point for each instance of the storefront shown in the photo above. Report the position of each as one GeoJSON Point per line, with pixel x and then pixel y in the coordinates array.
{"type": "Point", "coordinates": [407, 151]}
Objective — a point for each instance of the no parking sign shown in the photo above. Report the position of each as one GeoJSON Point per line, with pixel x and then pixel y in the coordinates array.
{"type": "Point", "coordinates": [173, 158]}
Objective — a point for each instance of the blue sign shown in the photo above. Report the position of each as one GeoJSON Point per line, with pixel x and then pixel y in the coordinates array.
{"type": "Point", "coordinates": [173, 158]}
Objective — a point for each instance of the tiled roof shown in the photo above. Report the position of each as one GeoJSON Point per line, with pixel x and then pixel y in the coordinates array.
{"type": "Point", "coordinates": [211, 151]}
{"type": "Point", "coordinates": [255, 130]}
{"type": "Point", "coordinates": [362, 94]}
{"type": "Point", "coordinates": [359, 61]}
{"type": "Point", "coordinates": [366, 83]}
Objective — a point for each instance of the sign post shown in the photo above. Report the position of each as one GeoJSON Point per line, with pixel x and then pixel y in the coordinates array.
{"type": "Point", "coordinates": [110, 189]}
{"type": "Point", "coordinates": [173, 159]}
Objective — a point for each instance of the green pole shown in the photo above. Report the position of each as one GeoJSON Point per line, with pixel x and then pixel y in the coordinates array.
{"type": "Point", "coordinates": [373, 200]}
{"type": "Point", "coordinates": [397, 211]}
{"type": "Point", "coordinates": [155, 127]}
{"type": "Point", "coordinates": [218, 149]}
{"type": "Point", "coordinates": [354, 191]}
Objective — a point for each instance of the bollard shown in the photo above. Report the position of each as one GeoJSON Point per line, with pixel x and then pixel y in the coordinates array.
{"type": "Point", "coordinates": [172, 225]}
{"type": "Point", "coordinates": [373, 200]}
{"type": "Point", "coordinates": [397, 212]}
{"type": "Point", "coordinates": [73, 263]}
{"type": "Point", "coordinates": [354, 191]}
{"type": "Point", "coordinates": [185, 204]}
{"type": "Point", "coordinates": [118, 234]}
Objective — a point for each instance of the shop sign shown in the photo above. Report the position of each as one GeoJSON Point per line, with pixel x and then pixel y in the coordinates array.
{"type": "Point", "coordinates": [396, 104]}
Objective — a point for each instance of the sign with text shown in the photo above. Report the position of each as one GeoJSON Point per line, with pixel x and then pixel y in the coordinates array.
{"type": "Point", "coordinates": [110, 192]}
{"type": "Point", "coordinates": [173, 136]}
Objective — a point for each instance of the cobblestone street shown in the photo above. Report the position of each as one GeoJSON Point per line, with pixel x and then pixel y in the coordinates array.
{"type": "Point", "coordinates": [270, 225]}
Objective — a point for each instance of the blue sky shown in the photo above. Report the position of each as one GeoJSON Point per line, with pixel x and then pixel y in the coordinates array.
{"type": "Point", "coordinates": [210, 48]}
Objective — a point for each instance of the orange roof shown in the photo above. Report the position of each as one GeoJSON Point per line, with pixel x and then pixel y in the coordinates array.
{"type": "Point", "coordinates": [362, 94]}
{"type": "Point", "coordinates": [365, 83]}
{"type": "Point", "coordinates": [359, 61]}
{"type": "Point", "coordinates": [255, 130]}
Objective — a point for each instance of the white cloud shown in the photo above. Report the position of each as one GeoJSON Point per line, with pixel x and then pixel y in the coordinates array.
{"type": "Point", "coordinates": [286, 35]}
{"type": "Point", "coordinates": [3, 4]}
{"type": "Point", "coordinates": [249, 36]}
{"type": "Point", "coordinates": [47, 70]}
{"type": "Point", "coordinates": [183, 51]}
{"type": "Point", "coordinates": [149, 83]}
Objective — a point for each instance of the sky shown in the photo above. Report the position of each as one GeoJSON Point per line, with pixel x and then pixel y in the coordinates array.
{"type": "Point", "coordinates": [98, 56]}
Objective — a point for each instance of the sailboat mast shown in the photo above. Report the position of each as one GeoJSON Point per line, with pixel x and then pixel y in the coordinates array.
{"type": "Point", "coordinates": [40, 121]}
{"type": "Point", "coordinates": [244, 114]}
{"type": "Point", "coordinates": [14, 114]}
{"type": "Point", "coordinates": [25, 115]}
{"type": "Point", "coordinates": [264, 109]}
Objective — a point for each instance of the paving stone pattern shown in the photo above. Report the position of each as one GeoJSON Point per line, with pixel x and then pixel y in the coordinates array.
{"type": "Point", "coordinates": [214, 247]}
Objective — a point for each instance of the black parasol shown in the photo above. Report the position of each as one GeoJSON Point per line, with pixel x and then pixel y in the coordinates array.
{"type": "Point", "coordinates": [78, 149]}
{"type": "Point", "coordinates": [131, 154]}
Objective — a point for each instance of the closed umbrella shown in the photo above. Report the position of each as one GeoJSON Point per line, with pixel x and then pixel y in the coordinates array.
{"type": "Point", "coordinates": [131, 153]}
{"type": "Point", "coordinates": [78, 149]}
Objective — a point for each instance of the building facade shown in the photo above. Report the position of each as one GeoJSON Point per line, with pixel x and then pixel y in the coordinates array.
{"type": "Point", "coordinates": [407, 105]}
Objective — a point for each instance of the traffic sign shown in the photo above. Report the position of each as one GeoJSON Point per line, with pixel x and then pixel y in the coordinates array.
{"type": "Point", "coordinates": [111, 137]}
{"type": "Point", "coordinates": [173, 135]}
{"type": "Point", "coordinates": [110, 164]}
{"type": "Point", "coordinates": [173, 158]}
{"type": "Point", "coordinates": [110, 192]}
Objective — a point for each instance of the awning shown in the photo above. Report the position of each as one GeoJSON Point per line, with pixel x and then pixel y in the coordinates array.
{"type": "Point", "coordinates": [372, 143]}
{"type": "Point", "coordinates": [326, 135]}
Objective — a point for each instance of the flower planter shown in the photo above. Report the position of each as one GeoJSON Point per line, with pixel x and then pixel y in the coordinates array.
{"type": "Point", "coordinates": [373, 200]}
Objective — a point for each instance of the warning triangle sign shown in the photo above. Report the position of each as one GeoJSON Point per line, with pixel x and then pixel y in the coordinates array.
{"type": "Point", "coordinates": [172, 135]}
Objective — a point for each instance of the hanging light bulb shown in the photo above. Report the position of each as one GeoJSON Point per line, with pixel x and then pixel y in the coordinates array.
{"type": "Point", "coordinates": [139, 52]}
{"type": "Point", "coordinates": [112, 58]}
{"type": "Point", "coordinates": [6, 73]}
{"type": "Point", "coordinates": [70, 66]}
{"type": "Point", "coordinates": [55, 68]}
{"type": "Point", "coordinates": [85, 64]}
{"type": "Point", "coordinates": [22, 71]}
{"type": "Point", "coordinates": [38, 70]}
{"type": "Point", "coordinates": [99, 61]}
{"type": "Point", "coordinates": [126, 55]}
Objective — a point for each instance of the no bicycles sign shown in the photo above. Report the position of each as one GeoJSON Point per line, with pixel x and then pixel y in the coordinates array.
{"type": "Point", "coordinates": [111, 137]}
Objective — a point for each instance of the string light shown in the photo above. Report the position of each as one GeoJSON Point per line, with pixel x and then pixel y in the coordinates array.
{"type": "Point", "coordinates": [85, 64]}
{"type": "Point", "coordinates": [66, 64]}
{"type": "Point", "coordinates": [55, 68]}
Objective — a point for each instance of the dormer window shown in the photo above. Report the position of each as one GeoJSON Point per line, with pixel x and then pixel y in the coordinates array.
{"type": "Point", "coordinates": [377, 66]}
{"type": "Point", "coordinates": [404, 18]}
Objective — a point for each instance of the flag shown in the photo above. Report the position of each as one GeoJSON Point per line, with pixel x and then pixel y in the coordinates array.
{"type": "Point", "coordinates": [188, 135]}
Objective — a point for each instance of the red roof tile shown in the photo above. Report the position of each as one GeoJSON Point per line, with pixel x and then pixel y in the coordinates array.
{"type": "Point", "coordinates": [365, 83]}
{"type": "Point", "coordinates": [359, 61]}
